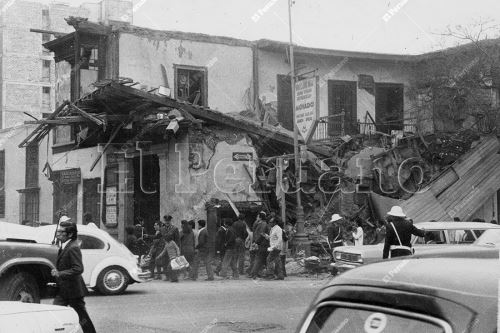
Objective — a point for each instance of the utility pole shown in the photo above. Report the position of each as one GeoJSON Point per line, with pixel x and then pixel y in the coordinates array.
{"type": "Point", "coordinates": [300, 237]}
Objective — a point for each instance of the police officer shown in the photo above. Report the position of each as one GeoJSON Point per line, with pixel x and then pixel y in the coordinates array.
{"type": "Point", "coordinates": [334, 232]}
{"type": "Point", "coordinates": [398, 234]}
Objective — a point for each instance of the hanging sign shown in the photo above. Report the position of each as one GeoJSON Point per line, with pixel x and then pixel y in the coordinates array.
{"type": "Point", "coordinates": [306, 105]}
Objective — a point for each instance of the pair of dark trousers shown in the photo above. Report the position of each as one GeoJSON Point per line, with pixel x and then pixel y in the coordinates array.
{"type": "Point", "coordinates": [79, 305]}
{"type": "Point", "coordinates": [207, 259]}
{"type": "Point", "coordinates": [190, 259]}
{"type": "Point", "coordinates": [259, 262]}
{"type": "Point", "coordinates": [240, 254]}
{"type": "Point", "coordinates": [274, 263]}
{"type": "Point", "coordinates": [283, 264]}
{"type": "Point", "coordinates": [230, 259]}
{"type": "Point", "coordinates": [172, 275]}
{"type": "Point", "coordinates": [253, 254]}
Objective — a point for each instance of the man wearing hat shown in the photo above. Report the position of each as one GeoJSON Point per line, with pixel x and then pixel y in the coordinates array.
{"type": "Point", "coordinates": [71, 287]}
{"type": "Point", "coordinates": [333, 232]}
{"type": "Point", "coordinates": [398, 234]}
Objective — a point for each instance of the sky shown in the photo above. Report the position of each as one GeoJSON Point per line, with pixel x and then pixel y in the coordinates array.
{"type": "Point", "coordinates": [382, 26]}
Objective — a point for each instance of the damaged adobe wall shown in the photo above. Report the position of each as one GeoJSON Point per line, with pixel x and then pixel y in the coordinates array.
{"type": "Point", "coordinates": [200, 167]}
{"type": "Point", "coordinates": [151, 57]}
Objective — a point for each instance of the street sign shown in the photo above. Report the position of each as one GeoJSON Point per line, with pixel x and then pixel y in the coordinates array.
{"type": "Point", "coordinates": [241, 157]}
{"type": "Point", "coordinates": [306, 106]}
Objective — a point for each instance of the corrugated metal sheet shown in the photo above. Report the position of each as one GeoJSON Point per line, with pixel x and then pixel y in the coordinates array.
{"type": "Point", "coordinates": [478, 175]}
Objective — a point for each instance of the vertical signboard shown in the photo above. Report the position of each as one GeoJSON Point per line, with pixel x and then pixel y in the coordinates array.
{"type": "Point", "coordinates": [306, 106]}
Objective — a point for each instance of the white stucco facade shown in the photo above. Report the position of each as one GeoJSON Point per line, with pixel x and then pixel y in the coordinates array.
{"type": "Point", "coordinates": [271, 64]}
{"type": "Point", "coordinates": [228, 67]}
{"type": "Point", "coordinates": [15, 174]}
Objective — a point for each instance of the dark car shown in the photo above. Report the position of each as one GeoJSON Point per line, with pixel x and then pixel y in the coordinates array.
{"type": "Point", "coordinates": [410, 295]}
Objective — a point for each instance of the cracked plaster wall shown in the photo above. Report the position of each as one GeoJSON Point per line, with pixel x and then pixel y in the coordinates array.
{"type": "Point", "coordinates": [199, 170]}
{"type": "Point", "coordinates": [229, 68]}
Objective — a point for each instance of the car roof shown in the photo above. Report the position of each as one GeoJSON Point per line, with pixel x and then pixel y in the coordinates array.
{"type": "Point", "coordinates": [11, 307]}
{"type": "Point", "coordinates": [445, 225]}
{"type": "Point", "coordinates": [446, 277]}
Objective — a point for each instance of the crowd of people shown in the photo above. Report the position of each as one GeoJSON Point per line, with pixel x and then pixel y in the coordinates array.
{"type": "Point", "coordinates": [258, 249]}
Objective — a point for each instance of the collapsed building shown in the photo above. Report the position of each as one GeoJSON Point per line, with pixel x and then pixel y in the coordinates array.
{"type": "Point", "coordinates": [156, 122]}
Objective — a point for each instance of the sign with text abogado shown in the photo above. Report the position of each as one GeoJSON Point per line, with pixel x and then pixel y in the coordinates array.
{"type": "Point", "coordinates": [306, 105]}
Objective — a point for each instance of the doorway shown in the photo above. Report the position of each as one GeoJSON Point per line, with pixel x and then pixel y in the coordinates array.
{"type": "Point", "coordinates": [389, 103]}
{"type": "Point", "coordinates": [342, 99]}
{"type": "Point", "coordinates": [147, 190]}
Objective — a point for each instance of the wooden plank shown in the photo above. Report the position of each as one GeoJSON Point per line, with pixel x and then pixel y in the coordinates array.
{"type": "Point", "coordinates": [191, 113]}
{"type": "Point", "coordinates": [86, 115]}
{"type": "Point", "coordinates": [474, 157]}
{"type": "Point", "coordinates": [42, 126]}
{"type": "Point", "coordinates": [108, 144]}
{"type": "Point", "coordinates": [448, 178]}
{"type": "Point", "coordinates": [423, 207]}
{"type": "Point", "coordinates": [459, 192]}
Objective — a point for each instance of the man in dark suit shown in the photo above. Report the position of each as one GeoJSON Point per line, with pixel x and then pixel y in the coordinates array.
{"type": "Point", "coordinates": [398, 234]}
{"type": "Point", "coordinates": [71, 288]}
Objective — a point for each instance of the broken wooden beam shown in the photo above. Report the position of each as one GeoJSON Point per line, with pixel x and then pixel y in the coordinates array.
{"type": "Point", "coordinates": [84, 114]}
{"type": "Point", "coordinates": [108, 144]}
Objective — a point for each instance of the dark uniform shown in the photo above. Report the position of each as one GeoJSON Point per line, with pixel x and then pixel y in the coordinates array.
{"type": "Point", "coordinates": [400, 246]}
{"type": "Point", "coordinates": [334, 235]}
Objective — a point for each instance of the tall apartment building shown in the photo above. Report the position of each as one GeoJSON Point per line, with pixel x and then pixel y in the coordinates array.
{"type": "Point", "coordinates": [27, 69]}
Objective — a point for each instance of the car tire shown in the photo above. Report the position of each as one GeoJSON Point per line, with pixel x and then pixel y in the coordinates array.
{"type": "Point", "coordinates": [112, 280]}
{"type": "Point", "coordinates": [19, 287]}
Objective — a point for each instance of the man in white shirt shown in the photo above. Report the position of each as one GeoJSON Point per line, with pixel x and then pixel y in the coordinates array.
{"type": "Point", "coordinates": [275, 246]}
{"type": "Point", "coordinates": [358, 235]}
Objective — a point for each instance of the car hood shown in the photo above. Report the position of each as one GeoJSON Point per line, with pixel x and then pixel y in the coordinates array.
{"type": "Point", "coordinates": [8, 307]}
{"type": "Point", "coordinates": [364, 250]}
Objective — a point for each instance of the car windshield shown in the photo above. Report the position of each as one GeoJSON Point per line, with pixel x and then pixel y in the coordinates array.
{"type": "Point", "coordinates": [489, 237]}
{"type": "Point", "coordinates": [337, 319]}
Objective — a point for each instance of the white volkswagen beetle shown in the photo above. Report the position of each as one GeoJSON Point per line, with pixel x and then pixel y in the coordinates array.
{"type": "Point", "coordinates": [37, 318]}
{"type": "Point", "coordinates": [109, 266]}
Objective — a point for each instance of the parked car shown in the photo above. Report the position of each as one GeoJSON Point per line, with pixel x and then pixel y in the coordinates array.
{"type": "Point", "coordinates": [411, 296]}
{"type": "Point", "coordinates": [109, 266]}
{"type": "Point", "coordinates": [439, 234]}
{"type": "Point", "coordinates": [486, 246]}
{"type": "Point", "coordinates": [37, 318]}
{"type": "Point", "coordinates": [25, 269]}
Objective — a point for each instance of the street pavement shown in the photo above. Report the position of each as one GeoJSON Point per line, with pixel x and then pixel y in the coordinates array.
{"type": "Point", "coordinates": [243, 305]}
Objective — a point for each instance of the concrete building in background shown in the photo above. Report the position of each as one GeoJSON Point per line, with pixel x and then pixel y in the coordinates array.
{"type": "Point", "coordinates": [28, 84]}
{"type": "Point", "coordinates": [27, 80]}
